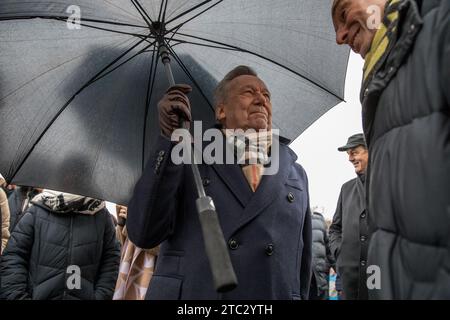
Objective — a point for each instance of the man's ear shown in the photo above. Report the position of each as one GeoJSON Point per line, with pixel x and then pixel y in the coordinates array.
{"type": "Point", "coordinates": [220, 112]}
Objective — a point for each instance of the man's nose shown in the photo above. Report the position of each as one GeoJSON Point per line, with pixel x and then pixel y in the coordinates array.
{"type": "Point", "coordinates": [341, 35]}
{"type": "Point", "coordinates": [260, 98]}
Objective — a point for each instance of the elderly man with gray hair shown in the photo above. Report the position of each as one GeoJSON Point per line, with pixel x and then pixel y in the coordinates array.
{"type": "Point", "coordinates": [265, 219]}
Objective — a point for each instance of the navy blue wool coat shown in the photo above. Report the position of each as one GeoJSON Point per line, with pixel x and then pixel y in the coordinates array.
{"type": "Point", "coordinates": [268, 231]}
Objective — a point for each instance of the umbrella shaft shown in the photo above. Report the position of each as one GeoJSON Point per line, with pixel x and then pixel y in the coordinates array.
{"type": "Point", "coordinates": [169, 72]}
{"type": "Point", "coordinates": [198, 181]}
{"type": "Point", "coordinates": [196, 173]}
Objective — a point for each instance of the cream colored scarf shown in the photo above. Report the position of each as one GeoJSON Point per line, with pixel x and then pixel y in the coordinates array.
{"type": "Point", "coordinates": [251, 152]}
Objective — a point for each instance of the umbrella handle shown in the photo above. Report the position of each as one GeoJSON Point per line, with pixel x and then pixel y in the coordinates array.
{"type": "Point", "coordinates": [224, 278]}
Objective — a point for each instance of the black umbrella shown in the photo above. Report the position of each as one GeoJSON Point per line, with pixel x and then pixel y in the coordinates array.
{"type": "Point", "coordinates": [77, 105]}
{"type": "Point", "coordinates": [77, 101]}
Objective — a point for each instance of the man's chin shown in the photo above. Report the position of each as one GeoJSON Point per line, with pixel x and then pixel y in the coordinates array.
{"type": "Point", "coordinates": [259, 125]}
{"type": "Point", "coordinates": [261, 128]}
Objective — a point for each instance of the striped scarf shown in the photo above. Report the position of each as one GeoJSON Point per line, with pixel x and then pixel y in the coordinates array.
{"type": "Point", "coordinates": [251, 152]}
{"type": "Point", "coordinates": [135, 272]}
{"type": "Point", "coordinates": [69, 203]}
{"type": "Point", "coordinates": [383, 39]}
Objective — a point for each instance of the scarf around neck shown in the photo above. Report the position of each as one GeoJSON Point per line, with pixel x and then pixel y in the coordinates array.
{"type": "Point", "coordinates": [69, 203]}
{"type": "Point", "coordinates": [383, 39]}
{"type": "Point", "coordinates": [251, 150]}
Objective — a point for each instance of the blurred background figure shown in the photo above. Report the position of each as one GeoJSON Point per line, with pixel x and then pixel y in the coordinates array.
{"type": "Point", "coordinates": [322, 259]}
{"type": "Point", "coordinates": [63, 248]}
{"type": "Point", "coordinates": [4, 213]}
{"type": "Point", "coordinates": [333, 293]}
{"type": "Point", "coordinates": [121, 231]}
{"type": "Point", "coordinates": [19, 199]}
{"type": "Point", "coordinates": [136, 264]}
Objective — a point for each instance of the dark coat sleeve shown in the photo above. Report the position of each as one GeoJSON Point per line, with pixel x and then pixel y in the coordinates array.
{"type": "Point", "coordinates": [153, 207]}
{"type": "Point", "coordinates": [330, 257]}
{"type": "Point", "coordinates": [306, 263]}
{"type": "Point", "coordinates": [15, 260]}
{"type": "Point", "coordinates": [109, 267]}
{"type": "Point", "coordinates": [336, 230]}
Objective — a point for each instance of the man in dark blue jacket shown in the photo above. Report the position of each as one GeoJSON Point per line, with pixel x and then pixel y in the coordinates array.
{"type": "Point", "coordinates": [265, 219]}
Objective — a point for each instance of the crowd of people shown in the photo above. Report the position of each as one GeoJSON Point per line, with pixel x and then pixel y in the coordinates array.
{"type": "Point", "coordinates": [394, 215]}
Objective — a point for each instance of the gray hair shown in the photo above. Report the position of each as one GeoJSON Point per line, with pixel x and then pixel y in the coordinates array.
{"type": "Point", "coordinates": [334, 6]}
{"type": "Point", "coordinates": [220, 91]}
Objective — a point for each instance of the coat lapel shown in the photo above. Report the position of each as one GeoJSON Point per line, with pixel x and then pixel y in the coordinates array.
{"type": "Point", "coordinates": [233, 177]}
{"type": "Point", "coordinates": [361, 195]}
{"type": "Point", "coordinates": [267, 191]}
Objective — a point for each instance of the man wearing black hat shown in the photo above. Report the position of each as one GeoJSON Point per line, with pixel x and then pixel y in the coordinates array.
{"type": "Point", "coordinates": [349, 234]}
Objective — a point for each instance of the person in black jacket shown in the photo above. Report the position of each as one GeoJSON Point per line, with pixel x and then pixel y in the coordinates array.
{"type": "Point", "coordinates": [19, 200]}
{"type": "Point", "coordinates": [64, 247]}
{"type": "Point", "coordinates": [405, 99]}
{"type": "Point", "coordinates": [322, 260]}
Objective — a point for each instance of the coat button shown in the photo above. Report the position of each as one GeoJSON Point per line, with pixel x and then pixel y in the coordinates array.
{"type": "Point", "coordinates": [363, 263]}
{"type": "Point", "coordinates": [233, 244]}
{"type": "Point", "coordinates": [363, 215]}
{"type": "Point", "coordinates": [366, 92]}
{"type": "Point", "coordinates": [363, 238]}
{"type": "Point", "coordinates": [206, 182]}
{"type": "Point", "coordinates": [162, 153]}
{"type": "Point", "coordinates": [290, 197]}
{"type": "Point", "coordinates": [269, 249]}
{"type": "Point", "coordinates": [160, 158]}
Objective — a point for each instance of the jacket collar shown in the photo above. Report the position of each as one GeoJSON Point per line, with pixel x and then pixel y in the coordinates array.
{"type": "Point", "coordinates": [267, 191]}
{"type": "Point", "coordinates": [409, 24]}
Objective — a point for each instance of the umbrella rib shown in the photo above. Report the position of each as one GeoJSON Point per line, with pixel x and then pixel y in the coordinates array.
{"type": "Point", "coordinates": [65, 19]}
{"type": "Point", "coordinates": [177, 28]}
{"type": "Point", "coordinates": [192, 9]}
{"type": "Point", "coordinates": [160, 10]}
{"type": "Point", "coordinates": [173, 34]}
{"type": "Point", "coordinates": [190, 76]}
{"type": "Point", "coordinates": [65, 106]}
{"type": "Point", "coordinates": [121, 64]}
{"type": "Point", "coordinates": [113, 31]}
{"type": "Point", "coordinates": [142, 12]}
{"type": "Point", "coordinates": [47, 71]}
{"type": "Point", "coordinates": [121, 9]}
{"type": "Point", "coordinates": [202, 44]}
{"type": "Point", "coordinates": [140, 36]}
{"type": "Point", "coordinates": [151, 83]}
{"type": "Point", "coordinates": [267, 59]}
{"type": "Point", "coordinates": [164, 12]}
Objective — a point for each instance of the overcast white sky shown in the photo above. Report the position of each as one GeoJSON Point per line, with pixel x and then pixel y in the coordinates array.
{"type": "Point", "coordinates": [316, 148]}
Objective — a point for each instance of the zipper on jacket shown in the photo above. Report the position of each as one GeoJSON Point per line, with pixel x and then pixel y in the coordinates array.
{"type": "Point", "coordinates": [69, 257]}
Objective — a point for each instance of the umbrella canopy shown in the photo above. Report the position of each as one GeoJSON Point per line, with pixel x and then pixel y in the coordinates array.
{"type": "Point", "coordinates": [78, 101]}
